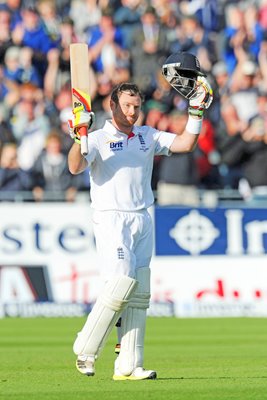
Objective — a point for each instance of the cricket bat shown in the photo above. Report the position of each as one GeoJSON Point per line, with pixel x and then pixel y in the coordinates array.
{"type": "Point", "coordinates": [79, 71]}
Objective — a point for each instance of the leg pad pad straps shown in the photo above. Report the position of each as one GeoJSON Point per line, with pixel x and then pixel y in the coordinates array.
{"type": "Point", "coordinates": [104, 315]}
{"type": "Point", "coordinates": [141, 297]}
{"type": "Point", "coordinates": [133, 325]}
{"type": "Point", "coordinates": [140, 300]}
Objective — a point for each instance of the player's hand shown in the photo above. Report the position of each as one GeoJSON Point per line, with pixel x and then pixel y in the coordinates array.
{"type": "Point", "coordinates": [203, 98]}
{"type": "Point", "coordinates": [82, 117]}
{"type": "Point", "coordinates": [79, 118]}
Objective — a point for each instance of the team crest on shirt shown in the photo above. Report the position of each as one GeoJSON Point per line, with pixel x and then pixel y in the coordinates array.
{"type": "Point", "coordinates": [115, 146]}
{"type": "Point", "coordinates": [120, 253]}
{"type": "Point", "coordinates": [142, 143]}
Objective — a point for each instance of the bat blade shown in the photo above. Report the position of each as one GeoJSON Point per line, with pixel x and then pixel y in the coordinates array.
{"type": "Point", "coordinates": [79, 69]}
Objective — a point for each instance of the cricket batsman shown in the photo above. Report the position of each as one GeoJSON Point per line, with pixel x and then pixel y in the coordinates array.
{"type": "Point", "coordinates": [120, 160]}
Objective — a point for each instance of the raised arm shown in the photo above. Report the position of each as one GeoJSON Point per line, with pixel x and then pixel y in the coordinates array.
{"type": "Point", "coordinates": [76, 161]}
{"type": "Point", "coordinates": [187, 141]}
{"type": "Point", "coordinates": [182, 71]}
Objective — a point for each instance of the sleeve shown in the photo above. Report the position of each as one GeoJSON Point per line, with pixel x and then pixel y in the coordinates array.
{"type": "Point", "coordinates": [163, 142]}
{"type": "Point", "coordinates": [92, 149]}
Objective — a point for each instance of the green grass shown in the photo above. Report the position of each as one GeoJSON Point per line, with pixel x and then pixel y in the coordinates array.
{"type": "Point", "coordinates": [196, 359]}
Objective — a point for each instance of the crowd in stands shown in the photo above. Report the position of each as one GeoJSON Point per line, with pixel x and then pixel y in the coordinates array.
{"type": "Point", "coordinates": [129, 40]}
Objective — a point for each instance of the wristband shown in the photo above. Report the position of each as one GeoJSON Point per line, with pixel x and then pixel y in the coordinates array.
{"type": "Point", "coordinates": [76, 140]}
{"type": "Point", "coordinates": [193, 125]}
{"type": "Point", "coordinates": [196, 112]}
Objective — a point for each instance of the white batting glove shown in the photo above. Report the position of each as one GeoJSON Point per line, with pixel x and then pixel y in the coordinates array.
{"type": "Point", "coordinates": [203, 98]}
{"type": "Point", "coordinates": [79, 118]}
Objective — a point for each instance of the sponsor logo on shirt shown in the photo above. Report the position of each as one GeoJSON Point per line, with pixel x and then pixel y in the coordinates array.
{"type": "Point", "coordinates": [115, 146]}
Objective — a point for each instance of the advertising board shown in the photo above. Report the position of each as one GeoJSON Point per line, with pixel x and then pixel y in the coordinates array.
{"type": "Point", "coordinates": [206, 262]}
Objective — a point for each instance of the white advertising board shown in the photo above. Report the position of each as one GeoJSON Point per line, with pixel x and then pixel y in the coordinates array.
{"type": "Point", "coordinates": [47, 254]}
{"type": "Point", "coordinates": [213, 286]}
{"type": "Point", "coordinates": [48, 267]}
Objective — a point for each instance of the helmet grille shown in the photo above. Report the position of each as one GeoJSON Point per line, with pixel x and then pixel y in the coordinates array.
{"type": "Point", "coordinates": [183, 81]}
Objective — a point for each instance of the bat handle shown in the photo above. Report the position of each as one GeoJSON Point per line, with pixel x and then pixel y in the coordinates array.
{"type": "Point", "coordinates": [83, 135]}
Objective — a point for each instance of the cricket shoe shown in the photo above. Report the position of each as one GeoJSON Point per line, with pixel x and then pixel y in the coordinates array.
{"type": "Point", "coordinates": [117, 348]}
{"type": "Point", "coordinates": [138, 374]}
{"type": "Point", "coordinates": [86, 365]}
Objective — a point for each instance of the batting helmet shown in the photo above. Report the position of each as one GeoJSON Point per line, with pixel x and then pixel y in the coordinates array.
{"type": "Point", "coordinates": [181, 71]}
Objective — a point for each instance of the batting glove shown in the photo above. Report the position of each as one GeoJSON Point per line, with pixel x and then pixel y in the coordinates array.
{"type": "Point", "coordinates": [203, 98]}
{"type": "Point", "coordinates": [79, 118]}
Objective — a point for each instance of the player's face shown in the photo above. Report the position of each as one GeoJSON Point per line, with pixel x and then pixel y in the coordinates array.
{"type": "Point", "coordinates": [127, 111]}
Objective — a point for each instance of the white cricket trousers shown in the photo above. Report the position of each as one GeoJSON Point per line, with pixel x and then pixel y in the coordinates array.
{"type": "Point", "coordinates": [124, 241]}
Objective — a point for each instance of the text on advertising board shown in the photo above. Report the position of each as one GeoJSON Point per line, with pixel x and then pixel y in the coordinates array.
{"type": "Point", "coordinates": [210, 232]}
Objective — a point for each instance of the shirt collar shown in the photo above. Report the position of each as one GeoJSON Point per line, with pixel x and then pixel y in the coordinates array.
{"type": "Point", "coordinates": [108, 127]}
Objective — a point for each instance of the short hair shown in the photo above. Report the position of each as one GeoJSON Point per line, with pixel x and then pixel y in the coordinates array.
{"type": "Point", "coordinates": [131, 88]}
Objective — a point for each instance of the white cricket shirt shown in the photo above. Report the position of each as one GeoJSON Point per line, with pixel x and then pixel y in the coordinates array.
{"type": "Point", "coordinates": [120, 167]}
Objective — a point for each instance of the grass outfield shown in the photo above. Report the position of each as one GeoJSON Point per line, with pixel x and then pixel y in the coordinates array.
{"type": "Point", "coordinates": [196, 359]}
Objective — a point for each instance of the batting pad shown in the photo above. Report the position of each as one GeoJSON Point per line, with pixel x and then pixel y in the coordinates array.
{"type": "Point", "coordinates": [133, 326]}
{"type": "Point", "coordinates": [105, 313]}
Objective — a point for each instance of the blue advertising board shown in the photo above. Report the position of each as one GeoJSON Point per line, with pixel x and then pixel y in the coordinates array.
{"type": "Point", "coordinates": [201, 231]}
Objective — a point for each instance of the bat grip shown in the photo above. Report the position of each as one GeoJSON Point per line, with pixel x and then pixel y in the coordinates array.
{"type": "Point", "coordinates": [83, 134]}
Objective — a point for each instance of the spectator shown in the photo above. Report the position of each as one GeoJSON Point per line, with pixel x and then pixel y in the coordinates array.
{"type": "Point", "coordinates": [106, 46]}
{"type": "Point", "coordinates": [221, 83]}
{"type": "Point", "coordinates": [207, 158]}
{"type": "Point", "coordinates": [249, 150]}
{"type": "Point", "coordinates": [28, 72]}
{"type": "Point", "coordinates": [254, 31]}
{"type": "Point", "coordinates": [178, 188]}
{"type": "Point", "coordinates": [51, 174]}
{"type": "Point", "coordinates": [67, 36]}
{"type": "Point", "coordinates": [12, 177]}
{"type": "Point", "coordinates": [156, 117]}
{"type": "Point", "coordinates": [127, 17]}
{"type": "Point", "coordinates": [5, 32]}
{"type": "Point", "coordinates": [31, 32]}
{"type": "Point", "coordinates": [163, 92]}
{"type": "Point", "coordinates": [12, 69]}
{"type": "Point", "coordinates": [243, 35]}
{"type": "Point", "coordinates": [63, 99]}
{"type": "Point", "coordinates": [51, 22]}
{"type": "Point", "coordinates": [149, 47]}
{"type": "Point", "coordinates": [29, 125]}
{"type": "Point", "coordinates": [244, 90]}
{"type": "Point", "coordinates": [14, 7]}
{"type": "Point", "coordinates": [208, 13]}
{"type": "Point", "coordinates": [191, 37]}
{"type": "Point", "coordinates": [50, 19]}
{"type": "Point", "coordinates": [9, 95]}
{"type": "Point", "coordinates": [233, 36]}
{"type": "Point", "coordinates": [165, 10]}
{"type": "Point", "coordinates": [222, 80]}
{"type": "Point", "coordinates": [231, 128]}
{"type": "Point", "coordinates": [101, 102]}
{"type": "Point", "coordinates": [63, 133]}
{"type": "Point", "coordinates": [86, 15]}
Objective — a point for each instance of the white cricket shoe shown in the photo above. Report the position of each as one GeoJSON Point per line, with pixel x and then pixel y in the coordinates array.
{"type": "Point", "coordinates": [86, 365]}
{"type": "Point", "coordinates": [138, 374]}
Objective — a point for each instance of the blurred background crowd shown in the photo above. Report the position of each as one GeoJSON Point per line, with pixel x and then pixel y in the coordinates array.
{"type": "Point", "coordinates": [129, 40]}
